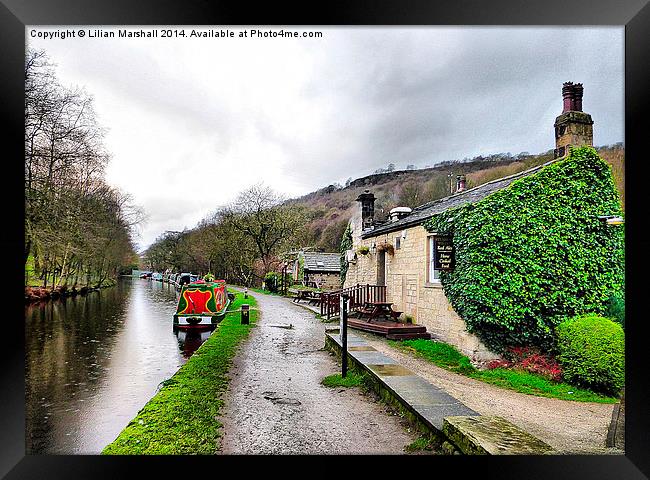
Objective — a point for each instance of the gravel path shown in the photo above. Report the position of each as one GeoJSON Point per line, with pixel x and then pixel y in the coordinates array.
{"type": "Point", "coordinates": [565, 425]}
{"type": "Point", "coordinates": [275, 403]}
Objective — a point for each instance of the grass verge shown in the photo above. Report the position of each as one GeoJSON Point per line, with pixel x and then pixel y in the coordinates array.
{"type": "Point", "coordinates": [449, 358]}
{"type": "Point", "coordinates": [266, 292]}
{"type": "Point", "coordinates": [336, 380]}
{"type": "Point", "coordinates": [181, 418]}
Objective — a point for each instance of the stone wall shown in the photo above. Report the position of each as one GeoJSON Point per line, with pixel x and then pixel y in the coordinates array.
{"type": "Point", "coordinates": [408, 289]}
{"type": "Point", "coordinates": [327, 281]}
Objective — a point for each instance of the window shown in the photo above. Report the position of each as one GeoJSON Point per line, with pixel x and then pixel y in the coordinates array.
{"type": "Point", "coordinates": [433, 275]}
{"type": "Point", "coordinates": [398, 243]}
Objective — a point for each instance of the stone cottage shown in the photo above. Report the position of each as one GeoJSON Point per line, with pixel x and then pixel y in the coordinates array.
{"type": "Point", "coordinates": [407, 258]}
{"type": "Point", "coordinates": [319, 269]}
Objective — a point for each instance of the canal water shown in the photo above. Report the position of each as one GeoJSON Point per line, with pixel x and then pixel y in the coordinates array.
{"type": "Point", "coordinates": [93, 362]}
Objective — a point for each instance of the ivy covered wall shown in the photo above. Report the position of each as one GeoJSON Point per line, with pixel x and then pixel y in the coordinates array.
{"type": "Point", "coordinates": [346, 244]}
{"type": "Point", "coordinates": [535, 253]}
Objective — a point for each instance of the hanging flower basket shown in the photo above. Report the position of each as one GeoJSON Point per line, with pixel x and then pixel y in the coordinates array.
{"type": "Point", "coordinates": [363, 250]}
{"type": "Point", "coordinates": [386, 247]}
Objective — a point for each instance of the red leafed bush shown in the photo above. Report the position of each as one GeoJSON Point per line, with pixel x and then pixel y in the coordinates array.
{"type": "Point", "coordinates": [543, 365]}
{"type": "Point", "coordinates": [499, 364]}
{"type": "Point", "coordinates": [530, 360]}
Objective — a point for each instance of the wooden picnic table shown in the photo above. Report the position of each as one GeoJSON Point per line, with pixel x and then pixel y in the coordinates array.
{"type": "Point", "coordinates": [311, 297]}
{"type": "Point", "coordinates": [376, 309]}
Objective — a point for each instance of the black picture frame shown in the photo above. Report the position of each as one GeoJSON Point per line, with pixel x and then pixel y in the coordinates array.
{"type": "Point", "coordinates": [633, 14]}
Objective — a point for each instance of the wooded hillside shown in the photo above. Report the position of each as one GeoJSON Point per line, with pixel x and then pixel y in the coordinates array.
{"type": "Point", "coordinates": [331, 207]}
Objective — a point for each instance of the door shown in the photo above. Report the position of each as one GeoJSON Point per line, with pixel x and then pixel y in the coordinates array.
{"type": "Point", "coordinates": [381, 268]}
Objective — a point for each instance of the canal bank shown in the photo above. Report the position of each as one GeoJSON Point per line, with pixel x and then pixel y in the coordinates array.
{"type": "Point", "coordinates": [181, 419]}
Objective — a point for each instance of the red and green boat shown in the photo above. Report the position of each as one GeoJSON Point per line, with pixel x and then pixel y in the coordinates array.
{"type": "Point", "coordinates": [201, 304]}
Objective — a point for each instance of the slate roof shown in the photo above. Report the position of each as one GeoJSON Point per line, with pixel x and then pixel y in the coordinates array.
{"type": "Point", "coordinates": [425, 212]}
{"type": "Point", "coordinates": [322, 262]}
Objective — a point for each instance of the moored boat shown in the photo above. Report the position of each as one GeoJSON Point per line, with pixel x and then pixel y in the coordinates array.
{"type": "Point", "coordinates": [201, 304]}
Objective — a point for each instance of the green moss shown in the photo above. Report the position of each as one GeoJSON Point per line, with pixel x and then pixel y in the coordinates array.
{"type": "Point", "coordinates": [534, 254]}
{"type": "Point", "coordinates": [181, 418]}
{"type": "Point", "coordinates": [423, 443]}
{"type": "Point", "coordinates": [336, 380]}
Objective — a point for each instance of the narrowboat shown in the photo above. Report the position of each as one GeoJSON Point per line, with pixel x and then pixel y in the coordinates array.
{"type": "Point", "coordinates": [201, 304]}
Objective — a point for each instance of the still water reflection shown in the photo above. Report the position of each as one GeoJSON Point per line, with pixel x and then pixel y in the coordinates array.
{"type": "Point", "coordinates": [92, 362]}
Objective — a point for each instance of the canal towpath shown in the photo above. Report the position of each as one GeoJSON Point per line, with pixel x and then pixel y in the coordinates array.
{"type": "Point", "coordinates": [276, 404]}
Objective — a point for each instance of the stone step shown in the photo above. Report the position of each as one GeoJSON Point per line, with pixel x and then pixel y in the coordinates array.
{"type": "Point", "coordinates": [492, 435]}
{"type": "Point", "coordinates": [408, 336]}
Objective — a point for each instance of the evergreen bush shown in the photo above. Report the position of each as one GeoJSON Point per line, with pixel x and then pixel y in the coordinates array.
{"type": "Point", "coordinates": [272, 281]}
{"type": "Point", "coordinates": [591, 350]}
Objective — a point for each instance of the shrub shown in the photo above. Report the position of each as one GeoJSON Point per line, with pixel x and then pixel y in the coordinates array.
{"type": "Point", "coordinates": [616, 309]}
{"type": "Point", "coordinates": [530, 360]}
{"type": "Point", "coordinates": [272, 281]}
{"type": "Point", "coordinates": [499, 363]}
{"type": "Point", "coordinates": [534, 254]}
{"type": "Point", "coordinates": [591, 350]}
{"type": "Point", "coordinates": [543, 365]}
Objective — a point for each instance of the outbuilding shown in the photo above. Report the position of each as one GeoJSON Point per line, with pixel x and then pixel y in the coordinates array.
{"type": "Point", "coordinates": [318, 269]}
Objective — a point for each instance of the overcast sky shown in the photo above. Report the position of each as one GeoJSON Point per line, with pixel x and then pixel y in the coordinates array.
{"type": "Point", "coordinates": [193, 121]}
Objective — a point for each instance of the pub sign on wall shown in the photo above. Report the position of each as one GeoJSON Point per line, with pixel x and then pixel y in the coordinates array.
{"type": "Point", "coordinates": [444, 258]}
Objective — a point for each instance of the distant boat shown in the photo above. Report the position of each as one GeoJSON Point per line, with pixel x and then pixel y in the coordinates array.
{"type": "Point", "coordinates": [201, 304]}
{"type": "Point", "coordinates": [157, 276]}
{"type": "Point", "coordinates": [184, 279]}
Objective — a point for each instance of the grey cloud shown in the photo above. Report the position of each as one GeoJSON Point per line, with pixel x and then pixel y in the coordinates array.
{"type": "Point", "coordinates": [399, 104]}
{"type": "Point", "coordinates": [375, 96]}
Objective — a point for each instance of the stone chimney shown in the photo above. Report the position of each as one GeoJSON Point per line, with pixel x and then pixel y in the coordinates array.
{"type": "Point", "coordinates": [460, 183]}
{"type": "Point", "coordinates": [398, 213]}
{"type": "Point", "coordinates": [367, 201]}
{"type": "Point", "coordinates": [573, 127]}
{"type": "Point", "coordinates": [578, 90]}
{"type": "Point", "coordinates": [567, 96]}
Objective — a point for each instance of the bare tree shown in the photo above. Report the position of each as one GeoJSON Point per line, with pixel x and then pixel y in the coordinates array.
{"type": "Point", "coordinates": [75, 225]}
{"type": "Point", "coordinates": [260, 215]}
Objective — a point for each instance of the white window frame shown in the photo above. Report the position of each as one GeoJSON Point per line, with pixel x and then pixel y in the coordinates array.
{"type": "Point", "coordinates": [433, 275]}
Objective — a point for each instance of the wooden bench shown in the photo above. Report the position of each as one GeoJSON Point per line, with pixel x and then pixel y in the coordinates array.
{"type": "Point", "coordinates": [314, 299]}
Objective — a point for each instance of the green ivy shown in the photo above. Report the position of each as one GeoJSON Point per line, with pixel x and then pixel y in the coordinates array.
{"type": "Point", "coordinates": [301, 267]}
{"type": "Point", "coordinates": [346, 244]}
{"type": "Point", "coordinates": [534, 254]}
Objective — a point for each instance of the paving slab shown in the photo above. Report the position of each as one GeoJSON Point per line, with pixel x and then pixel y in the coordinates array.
{"type": "Point", "coordinates": [492, 435]}
{"type": "Point", "coordinates": [416, 391]}
{"type": "Point", "coordinates": [435, 415]}
{"type": "Point", "coordinates": [429, 402]}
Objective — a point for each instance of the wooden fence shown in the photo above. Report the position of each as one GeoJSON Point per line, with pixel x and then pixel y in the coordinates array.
{"type": "Point", "coordinates": [358, 294]}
